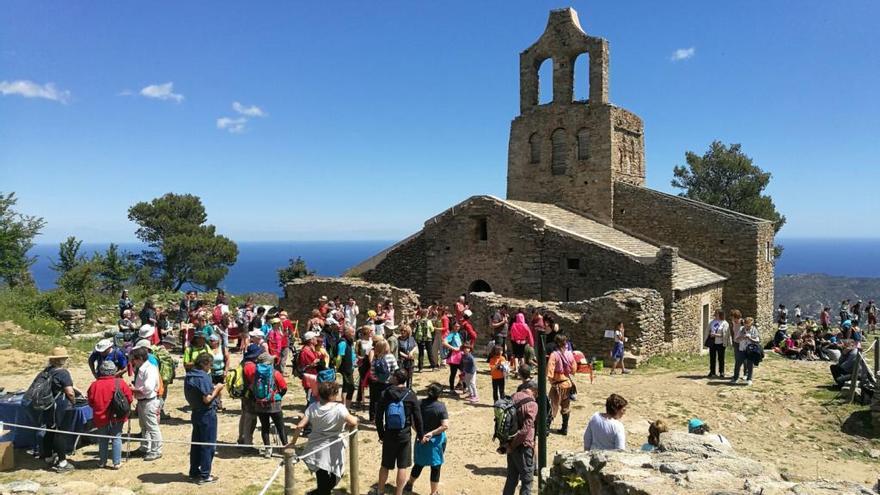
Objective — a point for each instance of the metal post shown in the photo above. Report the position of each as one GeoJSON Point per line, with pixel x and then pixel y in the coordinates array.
{"type": "Point", "coordinates": [289, 469]}
{"type": "Point", "coordinates": [353, 468]}
{"type": "Point", "coordinates": [542, 406]}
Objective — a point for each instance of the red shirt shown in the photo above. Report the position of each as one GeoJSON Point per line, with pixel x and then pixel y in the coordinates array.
{"type": "Point", "coordinates": [277, 340]}
{"type": "Point", "coordinates": [100, 395]}
{"type": "Point", "coordinates": [307, 358]}
{"type": "Point", "coordinates": [444, 322]}
{"type": "Point", "coordinates": [459, 311]}
{"type": "Point", "coordinates": [466, 325]}
{"type": "Point", "coordinates": [250, 372]}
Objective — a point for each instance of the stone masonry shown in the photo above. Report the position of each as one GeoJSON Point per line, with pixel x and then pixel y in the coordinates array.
{"type": "Point", "coordinates": [578, 221]}
{"type": "Point", "coordinates": [301, 296]}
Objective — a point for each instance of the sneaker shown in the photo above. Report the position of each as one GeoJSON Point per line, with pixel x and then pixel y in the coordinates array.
{"type": "Point", "coordinates": [66, 467]}
{"type": "Point", "coordinates": [114, 467]}
{"type": "Point", "coordinates": [748, 383]}
{"type": "Point", "coordinates": [209, 479]}
{"type": "Point", "coordinates": [267, 452]}
{"type": "Point", "coordinates": [721, 375]}
{"type": "Point", "coordinates": [711, 375]}
{"type": "Point", "coordinates": [51, 460]}
{"type": "Point", "coordinates": [152, 457]}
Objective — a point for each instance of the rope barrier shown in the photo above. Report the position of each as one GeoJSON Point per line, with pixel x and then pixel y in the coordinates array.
{"type": "Point", "coordinates": [137, 439]}
{"type": "Point", "coordinates": [870, 347]}
{"type": "Point", "coordinates": [342, 437]}
{"type": "Point", "coordinates": [272, 478]}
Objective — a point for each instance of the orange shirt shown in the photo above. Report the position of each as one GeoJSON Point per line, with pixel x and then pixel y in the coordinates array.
{"type": "Point", "coordinates": [496, 373]}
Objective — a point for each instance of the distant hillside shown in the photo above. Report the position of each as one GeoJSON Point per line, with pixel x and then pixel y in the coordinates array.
{"type": "Point", "coordinates": [813, 290]}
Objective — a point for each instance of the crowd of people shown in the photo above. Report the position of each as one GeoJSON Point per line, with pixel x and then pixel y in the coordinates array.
{"type": "Point", "coordinates": [253, 354]}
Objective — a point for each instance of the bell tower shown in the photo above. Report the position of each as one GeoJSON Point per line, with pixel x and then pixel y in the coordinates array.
{"type": "Point", "coordinates": [569, 152]}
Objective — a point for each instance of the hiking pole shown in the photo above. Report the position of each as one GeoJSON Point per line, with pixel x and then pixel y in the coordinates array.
{"type": "Point", "coordinates": [128, 437]}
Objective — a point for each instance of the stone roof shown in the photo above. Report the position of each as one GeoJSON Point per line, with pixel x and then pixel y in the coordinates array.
{"type": "Point", "coordinates": [688, 274]}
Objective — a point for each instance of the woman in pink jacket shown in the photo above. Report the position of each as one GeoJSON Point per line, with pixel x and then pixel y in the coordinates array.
{"type": "Point", "coordinates": [520, 336]}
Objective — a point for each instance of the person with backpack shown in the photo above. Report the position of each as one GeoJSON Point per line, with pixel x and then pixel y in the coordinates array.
{"type": "Point", "coordinates": [48, 399]}
{"type": "Point", "coordinates": [345, 362]}
{"type": "Point", "coordinates": [431, 447]}
{"type": "Point", "coordinates": [202, 395]}
{"type": "Point", "coordinates": [518, 438]}
{"type": "Point", "coordinates": [197, 346]}
{"type": "Point", "coordinates": [424, 336]}
{"type": "Point", "coordinates": [238, 388]}
{"type": "Point", "coordinates": [398, 414]}
{"type": "Point", "coordinates": [383, 366]}
{"type": "Point", "coordinates": [167, 371]}
{"type": "Point", "coordinates": [327, 419]}
{"type": "Point", "coordinates": [406, 351]}
{"type": "Point", "coordinates": [106, 351]}
{"type": "Point", "coordinates": [277, 341]}
{"type": "Point", "coordinates": [110, 399]}
{"type": "Point", "coordinates": [267, 387]}
{"type": "Point", "coordinates": [147, 385]}
{"type": "Point", "coordinates": [604, 430]}
{"type": "Point", "coordinates": [744, 338]}
{"type": "Point", "coordinates": [560, 368]}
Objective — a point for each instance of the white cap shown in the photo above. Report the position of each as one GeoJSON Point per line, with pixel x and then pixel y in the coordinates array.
{"type": "Point", "coordinates": [309, 336]}
{"type": "Point", "coordinates": [103, 345]}
{"type": "Point", "coordinates": [256, 333]}
{"type": "Point", "coordinates": [146, 331]}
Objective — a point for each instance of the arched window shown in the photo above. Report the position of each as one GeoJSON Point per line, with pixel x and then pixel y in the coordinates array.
{"type": "Point", "coordinates": [534, 148]}
{"type": "Point", "coordinates": [479, 286]}
{"type": "Point", "coordinates": [559, 161]}
{"type": "Point", "coordinates": [545, 81]}
{"type": "Point", "coordinates": [583, 144]}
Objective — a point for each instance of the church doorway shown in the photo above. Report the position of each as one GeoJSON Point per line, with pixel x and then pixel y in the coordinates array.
{"type": "Point", "coordinates": [479, 286]}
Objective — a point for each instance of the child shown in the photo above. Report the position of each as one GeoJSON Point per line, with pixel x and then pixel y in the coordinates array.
{"type": "Point", "coordinates": [498, 369]}
{"type": "Point", "coordinates": [469, 372]}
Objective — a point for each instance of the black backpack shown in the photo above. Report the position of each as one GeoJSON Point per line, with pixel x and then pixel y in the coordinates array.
{"type": "Point", "coordinates": [39, 395]}
{"type": "Point", "coordinates": [119, 407]}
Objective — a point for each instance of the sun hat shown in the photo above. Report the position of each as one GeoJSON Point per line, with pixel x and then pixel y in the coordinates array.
{"type": "Point", "coordinates": [143, 343]}
{"type": "Point", "coordinates": [103, 345]}
{"type": "Point", "coordinates": [214, 338]}
{"type": "Point", "coordinates": [59, 353]}
{"type": "Point", "coordinates": [256, 334]}
{"type": "Point", "coordinates": [322, 298]}
{"type": "Point", "coordinates": [275, 321]}
{"type": "Point", "coordinates": [309, 336]}
{"type": "Point", "coordinates": [282, 313]}
{"type": "Point", "coordinates": [146, 331]}
{"type": "Point", "coordinates": [107, 368]}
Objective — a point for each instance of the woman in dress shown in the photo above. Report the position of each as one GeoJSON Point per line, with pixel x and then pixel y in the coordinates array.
{"type": "Point", "coordinates": [327, 419]}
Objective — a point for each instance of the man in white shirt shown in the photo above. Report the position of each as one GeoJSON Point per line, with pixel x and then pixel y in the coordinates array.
{"type": "Point", "coordinates": [146, 391]}
{"type": "Point", "coordinates": [719, 339]}
{"type": "Point", "coordinates": [605, 431]}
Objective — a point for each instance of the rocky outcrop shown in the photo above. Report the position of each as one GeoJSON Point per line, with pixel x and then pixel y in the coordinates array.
{"type": "Point", "coordinates": [684, 464]}
{"type": "Point", "coordinates": [74, 320]}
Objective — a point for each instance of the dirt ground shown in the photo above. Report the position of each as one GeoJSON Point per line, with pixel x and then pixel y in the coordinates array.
{"type": "Point", "coordinates": [781, 420]}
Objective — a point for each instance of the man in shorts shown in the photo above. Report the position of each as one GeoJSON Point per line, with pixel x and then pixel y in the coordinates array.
{"type": "Point", "coordinates": [398, 414]}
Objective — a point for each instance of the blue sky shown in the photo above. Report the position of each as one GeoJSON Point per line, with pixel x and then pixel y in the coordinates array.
{"type": "Point", "coordinates": [359, 120]}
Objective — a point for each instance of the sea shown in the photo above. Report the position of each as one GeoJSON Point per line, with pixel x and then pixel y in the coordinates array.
{"type": "Point", "coordinates": [256, 269]}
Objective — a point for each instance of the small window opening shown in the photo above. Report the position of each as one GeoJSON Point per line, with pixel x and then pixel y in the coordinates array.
{"type": "Point", "coordinates": [583, 145]}
{"type": "Point", "coordinates": [534, 148]}
{"type": "Point", "coordinates": [573, 263]}
{"type": "Point", "coordinates": [482, 229]}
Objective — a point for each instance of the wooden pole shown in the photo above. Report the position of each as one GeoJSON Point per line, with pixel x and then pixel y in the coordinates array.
{"type": "Point", "coordinates": [353, 467]}
{"type": "Point", "coordinates": [289, 469]}
{"type": "Point", "coordinates": [542, 406]}
{"type": "Point", "coordinates": [876, 356]}
{"type": "Point", "coordinates": [855, 378]}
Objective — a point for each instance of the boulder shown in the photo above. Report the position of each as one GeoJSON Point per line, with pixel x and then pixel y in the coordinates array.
{"type": "Point", "coordinates": [22, 486]}
{"type": "Point", "coordinates": [684, 464]}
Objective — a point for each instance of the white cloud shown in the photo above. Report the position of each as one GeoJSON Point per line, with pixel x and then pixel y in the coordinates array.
{"type": "Point", "coordinates": [233, 125]}
{"type": "Point", "coordinates": [162, 92]}
{"type": "Point", "coordinates": [683, 54]}
{"type": "Point", "coordinates": [251, 111]}
{"type": "Point", "coordinates": [30, 89]}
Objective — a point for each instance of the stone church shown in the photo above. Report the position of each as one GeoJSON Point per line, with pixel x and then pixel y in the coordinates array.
{"type": "Point", "coordinates": [578, 220]}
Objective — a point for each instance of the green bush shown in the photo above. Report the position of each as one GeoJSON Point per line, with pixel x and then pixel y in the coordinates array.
{"type": "Point", "coordinates": [32, 310]}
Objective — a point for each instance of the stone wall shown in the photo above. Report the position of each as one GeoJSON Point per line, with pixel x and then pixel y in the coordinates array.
{"type": "Point", "coordinates": [585, 322]}
{"type": "Point", "coordinates": [732, 243]}
{"type": "Point", "coordinates": [403, 265]}
{"type": "Point", "coordinates": [301, 296]}
{"type": "Point", "coordinates": [74, 320]}
{"type": "Point", "coordinates": [509, 260]}
{"type": "Point", "coordinates": [687, 332]}
{"type": "Point", "coordinates": [685, 464]}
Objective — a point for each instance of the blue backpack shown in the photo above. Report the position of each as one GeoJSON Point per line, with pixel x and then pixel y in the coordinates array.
{"type": "Point", "coordinates": [395, 415]}
{"type": "Point", "coordinates": [264, 383]}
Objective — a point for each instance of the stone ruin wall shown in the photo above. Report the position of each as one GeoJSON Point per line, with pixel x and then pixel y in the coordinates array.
{"type": "Point", "coordinates": [726, 241]}
{"type": "Point", "coordinates": [301, 296]}
{"type": "Point", "coordinates": [686, 334]}
{"type": "Point", "coordinates": [404, 266]}
{"type": "Point", "coordinates": [585, 322]}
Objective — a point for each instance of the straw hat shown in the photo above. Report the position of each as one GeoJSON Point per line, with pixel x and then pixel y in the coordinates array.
{"type": "Point", "coordinates": [58, 353]}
